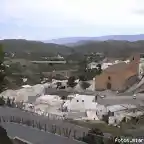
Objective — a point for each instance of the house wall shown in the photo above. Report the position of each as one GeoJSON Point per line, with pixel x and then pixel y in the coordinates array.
{"type": "Point", "coordinates": [119, 79]}
{"type": "Point", "coordinates": [100, 111]}
{"type": "Point", "coordinates": [91, 114]}
{"type": "Point", "coordinates": [81, 103]}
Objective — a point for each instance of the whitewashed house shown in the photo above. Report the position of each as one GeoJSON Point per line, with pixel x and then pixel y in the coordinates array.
{"type": "Point", "coordinates": [48, 103]}
{"type": "Point", "coordinates": [105, 65]}
{"type": "Point", "coordinates": [26, 86]}
{"type": "Point", "coordinates": [92, 65]}
{"type": "Point", "coordinates": [84, 105]}
{"type": "Point", "coordinates": [81, 103]}
{"type": "Point", "coordinates": [118, 112]}
{"type": "Point", "coordinates": [63, 83]}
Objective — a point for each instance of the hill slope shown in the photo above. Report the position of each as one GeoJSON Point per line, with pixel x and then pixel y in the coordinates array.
{"type": "Point", "coordinates": [14, 45]}
{"type": "Point", "coordinates": [111, 48]}
{"type": "Point", "coordinates": [40, 49]}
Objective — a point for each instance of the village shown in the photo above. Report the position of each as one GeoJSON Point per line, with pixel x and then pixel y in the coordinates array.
{"type": "Point", "coordinates": [117, 93]}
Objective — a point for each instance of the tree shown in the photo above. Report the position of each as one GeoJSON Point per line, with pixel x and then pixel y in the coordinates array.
{"type": "Point", "coordinates": [71, 81]}
{"type": "Point", "coordinates": [99, 70]}
{"type": "Point", "coordinates": [85, 85]}
{"type": "Point", "coordinates": [4, 139]}
{"type": "Point", "coordinates": [8, 102]}
{"type": "Point", "coordinates": [13, 103]}
{"type": "Point", "coordinates": [82, 78]}
{"type": "Point", "coordinates": [2, 70]}
{"type": "Point", "coordinates": [59, 84]}
{"type": "Point", "coordinates": [2, 101]}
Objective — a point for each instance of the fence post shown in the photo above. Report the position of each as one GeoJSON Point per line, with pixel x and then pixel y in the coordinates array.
{"type": "Point", "coordinates": [59, 131]}
{"type": "Point", "coordinates": [3, 119]}
{"type": "Point", "coordinates": [84, 134]}
{"type": "Point", "coordinates": [74, 134]}
{"type": "Point", "coordinates": [33, 123]}
{"type": "Point", "coordinates": [53, 129]}
{"type": "Point", "coordinates": [45, 127]}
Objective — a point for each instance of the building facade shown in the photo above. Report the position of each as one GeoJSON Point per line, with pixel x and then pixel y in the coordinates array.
{"type": "Point", "coordinates": [120, 76]}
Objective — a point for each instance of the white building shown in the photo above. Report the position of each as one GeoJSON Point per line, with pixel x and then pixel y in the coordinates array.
{"type": "Point", "coordinates": [118, 112]}
{"type": "Point", "coordinates": [48, 103]}
{"type": "Point", "coordinates": [141, 69]}
{"type": "Point", "coordinates": [63, 82]}
{"type": "Point", "coordinates": [51, 100]}
{"type": "Point", "coordinates": [60, 57]}
{"type": "Point", "coordinates": [105, 65]}
{"type": "Point", "coordinates": [92, 65]}
{"type": "Point", "coordinates": [81, 103]}
{"type": "Point", "coordinates": [26, 86]}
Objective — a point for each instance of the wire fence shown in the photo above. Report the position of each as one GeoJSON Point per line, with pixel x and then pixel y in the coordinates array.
{"type": "Point", "coordinates": [54, 129]}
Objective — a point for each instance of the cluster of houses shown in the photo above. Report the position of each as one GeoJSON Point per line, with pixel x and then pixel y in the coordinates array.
{"type": "Point", "coordinates": [117, 76]}
{"type": "Point", "coordinates": [83, 107]}
{"type": "Point", "coordinates": [75, 106]}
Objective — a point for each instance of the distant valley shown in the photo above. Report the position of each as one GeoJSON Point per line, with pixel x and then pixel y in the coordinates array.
{"type": "Point", "coordinates": [74, 41]}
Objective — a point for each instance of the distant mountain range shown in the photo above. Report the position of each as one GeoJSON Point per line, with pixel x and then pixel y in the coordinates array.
{"type": "Point", "coordinates": [73, 41]}
{"type": "Point", "coordinates": [35, 49]}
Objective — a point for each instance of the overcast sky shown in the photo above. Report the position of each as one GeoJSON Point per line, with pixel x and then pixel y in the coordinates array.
{"type": "Point", "coordinates": [47, 19]}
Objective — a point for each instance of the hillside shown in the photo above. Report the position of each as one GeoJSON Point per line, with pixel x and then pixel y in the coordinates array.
{"type": "Point", "coordinates": [13, 45]}
{"type": "Point", "coordinates": [111, 48]}
{"type": "Point", "coordinates": [33, 49]}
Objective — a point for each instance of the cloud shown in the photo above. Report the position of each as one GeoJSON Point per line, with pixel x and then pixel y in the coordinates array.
{"type": "Point", "coordinates": [71, 12]}
{"type": "Point", "coordinates": [139, 11]}
{"type": "Point", "coordinates": [58, 18]}
{"type": "Point", "coordinates": [138, 7]}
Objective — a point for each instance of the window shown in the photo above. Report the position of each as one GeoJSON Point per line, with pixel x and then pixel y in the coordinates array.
{"type": "Point", "coordinates": [82, 100]}
{"type": "Point", "coordinates": [77, 100]}
{"type": "Point", "coordinates": [109, 78]}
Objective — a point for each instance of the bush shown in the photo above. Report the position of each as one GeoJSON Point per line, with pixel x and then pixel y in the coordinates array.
{"type": "Point", "coordinates": [2, 70]}
{"type": "Point", "coordinates": [85, 85]}
{"type": "Point", "coordinates": [71, 81]}
{"type": "Point", "coordinates": [94, 136]}
{"type": "Point", "coordinates": [2, 101]}
{"type": "Point", "coordinates": [4, 139]}
{"type": "Point", "coordinates": [82, 78]}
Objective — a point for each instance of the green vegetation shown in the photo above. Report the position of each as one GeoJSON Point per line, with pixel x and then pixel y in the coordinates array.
{"type": "Point", "coordinates": [2, 101]}
{"type": "Point", "coordinates": [77, 58]}
{"type": "Point", "coordinates": [85, 85]}
{"type": "Point", "coordinates": [71, 81]}
{"type": "Point", "coordinates": [4, 139]}
{"type": "Point", "coordinates": [2, 70]}
{"type": "Point", "coordinates": [14, 45]}
{"type": "Point", "coordinates": [111, 48]}
{"type": "Point", "coordinates": [94, 136]}
{"type": "Point", "coordinates": [34, 49]}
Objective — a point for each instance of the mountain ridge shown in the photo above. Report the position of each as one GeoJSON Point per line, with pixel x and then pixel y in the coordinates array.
{"type": "Point", "coordinates": [73, 40]}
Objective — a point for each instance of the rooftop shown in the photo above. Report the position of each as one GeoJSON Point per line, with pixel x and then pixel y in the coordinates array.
{"type": "Point", "coordinates": [121, 107]}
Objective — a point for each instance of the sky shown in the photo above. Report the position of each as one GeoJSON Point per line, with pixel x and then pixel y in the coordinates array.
{"type": "Point", "coordinates": [49, 19]}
